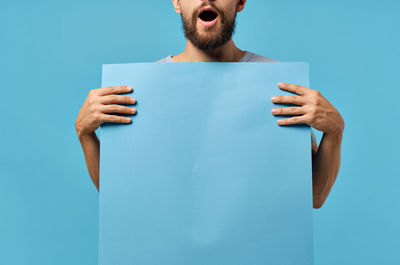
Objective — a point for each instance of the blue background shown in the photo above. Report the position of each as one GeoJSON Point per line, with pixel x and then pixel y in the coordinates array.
{"type": "Point", "coordinates": [51, 55]}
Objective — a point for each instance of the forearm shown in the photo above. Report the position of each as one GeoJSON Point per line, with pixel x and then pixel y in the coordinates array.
{"type": "Point", "coordinates": [326, 164]}
{"type": "Point", "coordinates": [91, 149]}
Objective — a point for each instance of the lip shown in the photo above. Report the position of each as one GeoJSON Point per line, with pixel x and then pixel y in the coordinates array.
{"type": "Point", "coordinates": [211, 23]}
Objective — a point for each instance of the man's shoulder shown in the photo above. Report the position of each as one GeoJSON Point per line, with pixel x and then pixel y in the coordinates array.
{"type": "Point", "coordinates": [253, 57]}
{"type": "Point", "coordinates": [167, 59]}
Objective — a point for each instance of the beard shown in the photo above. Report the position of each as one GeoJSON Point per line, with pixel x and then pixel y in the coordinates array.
{"type": "Point", "coordinates": [215, 37]}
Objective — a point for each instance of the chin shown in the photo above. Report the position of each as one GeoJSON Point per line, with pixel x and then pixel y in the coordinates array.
{"type": "Point", "coordinates": [212, 31]}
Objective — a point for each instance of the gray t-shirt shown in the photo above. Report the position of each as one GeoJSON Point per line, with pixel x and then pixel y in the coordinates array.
{"type": "Point", "coordinates": [248, 57]}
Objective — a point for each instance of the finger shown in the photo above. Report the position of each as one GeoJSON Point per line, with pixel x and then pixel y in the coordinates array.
{"type": "Point", "coordinates": [292, 120]}
{"type": "Point", "coordinates": [294, 99]}
{"type": "Point", "coordinates": [110, 99]}
{"type": "Point", "coordinates": [293, 88]}
{"type": "Point", "coordinates": [117, 109]}
{"type": "Point", "coordinates": [288, 111]}
{"type": "Point", "coordinates": [114, 90]}
{"type": "Point", "coordinates": [114, 118]}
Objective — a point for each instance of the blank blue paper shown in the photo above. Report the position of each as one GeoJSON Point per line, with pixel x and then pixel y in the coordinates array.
{"type": "Point", "coordinates": [204, 175]}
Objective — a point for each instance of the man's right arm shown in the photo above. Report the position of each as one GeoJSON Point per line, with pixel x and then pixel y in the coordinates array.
{"type": "Point", "coordinates": [96, 110]}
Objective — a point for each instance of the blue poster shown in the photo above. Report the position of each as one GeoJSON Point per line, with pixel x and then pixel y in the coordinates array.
{"type": "Point", "coordinates": [204, 175]}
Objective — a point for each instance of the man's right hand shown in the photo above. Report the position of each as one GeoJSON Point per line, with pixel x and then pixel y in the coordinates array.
{"type": "Point", "coordinates": [98, 103]}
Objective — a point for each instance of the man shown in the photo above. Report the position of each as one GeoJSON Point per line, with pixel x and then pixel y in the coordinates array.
{"type": "Point", "coordinates": [209, 26]}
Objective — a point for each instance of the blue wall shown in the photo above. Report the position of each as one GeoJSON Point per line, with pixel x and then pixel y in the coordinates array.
{"type": "Point", "coordinates": [51, 55]}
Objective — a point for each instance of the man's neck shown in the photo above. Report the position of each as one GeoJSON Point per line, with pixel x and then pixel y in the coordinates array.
{"type": "Point", "coordinates": [226, 53]}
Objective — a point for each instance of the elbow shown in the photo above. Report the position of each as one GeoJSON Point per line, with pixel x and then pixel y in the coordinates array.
{"type": "Point", "coordinates": [318, 203]}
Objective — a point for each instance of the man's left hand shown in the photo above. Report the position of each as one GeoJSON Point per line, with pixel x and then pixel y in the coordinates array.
{"type": "Point", "coordinates": [314, 109]}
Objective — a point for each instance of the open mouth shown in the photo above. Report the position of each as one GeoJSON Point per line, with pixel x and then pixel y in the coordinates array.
{"type": "Point", "coordinates": [208, 16]}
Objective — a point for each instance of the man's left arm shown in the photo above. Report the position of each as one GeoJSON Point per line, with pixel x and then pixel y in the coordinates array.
{"type": "Point", "coordinates": [316, 111]}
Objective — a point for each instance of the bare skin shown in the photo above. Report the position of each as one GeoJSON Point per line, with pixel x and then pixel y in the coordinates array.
{"type": "Point", "coordinates": [313, 109]}
{"type": "Point", "coordinates": [316, 111]}
{"type": "Point", "coordinates": [100, 106]}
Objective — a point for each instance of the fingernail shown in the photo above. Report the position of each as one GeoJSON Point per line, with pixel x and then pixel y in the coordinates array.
{"type": "Point", "coordinates": [274, 111]}
{"type": "Point", "coordinates": [133, 110]}
{"type": "Point", "coordinates": [133, 100]}
{"type": "Point", "coordinates": [274, 98]}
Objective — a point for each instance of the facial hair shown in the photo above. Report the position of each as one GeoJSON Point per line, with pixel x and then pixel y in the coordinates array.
{"type": "Point", "coordinates": [214, 41]}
